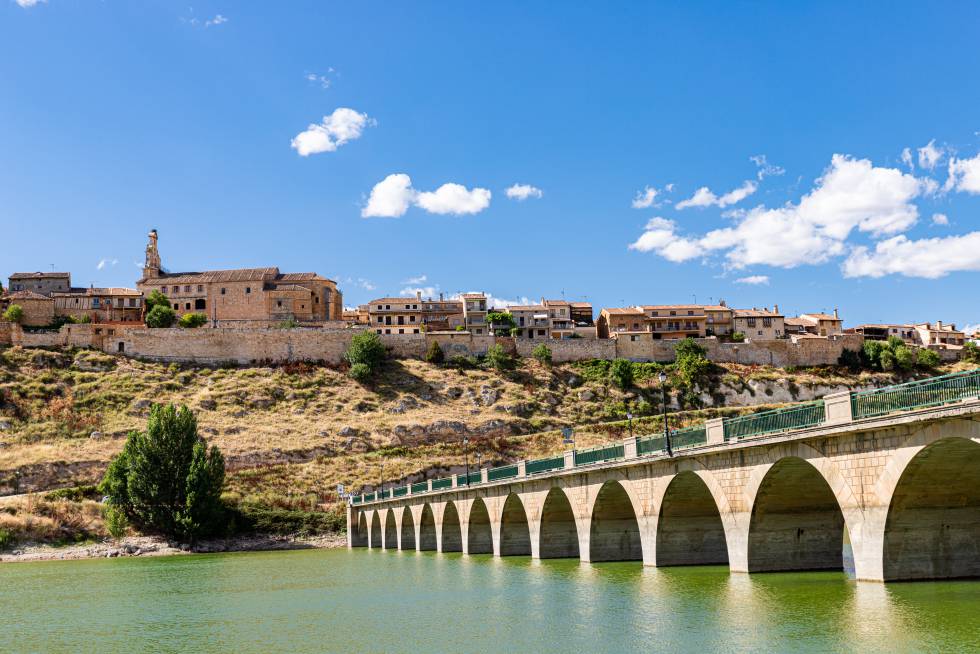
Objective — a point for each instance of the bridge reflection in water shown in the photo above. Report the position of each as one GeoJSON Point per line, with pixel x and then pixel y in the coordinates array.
{"type": "Point", "coordinates": [888, 479]}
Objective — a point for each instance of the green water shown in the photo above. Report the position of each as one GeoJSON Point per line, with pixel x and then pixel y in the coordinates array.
{"type": "Point", "coordinates": [371, 601]}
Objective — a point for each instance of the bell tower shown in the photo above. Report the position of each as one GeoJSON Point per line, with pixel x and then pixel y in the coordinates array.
{"type": "Point", "coordinates": [151, 268]}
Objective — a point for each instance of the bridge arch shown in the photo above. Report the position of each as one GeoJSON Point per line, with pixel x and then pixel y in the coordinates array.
{"type": "Point", "coordinates": [515, 531]}
{"type": "Point", "coordinates": [427, 529]}
{"type": "Point", "coordinates": [932, 529]}
{"type": "Point", "coordinates": [452, 532]}
{"type": "Point", "coordinates": [359, 534]}
{"type": "Point", "coordinates": [479, 537]}
{"type": "Point", "coordinates": [689, 525]}
{"type": "Point", "coordinates": [558, 535]}
{"type": "Point", "coordinates": [408, 530]}
{"type": "Point", "coordinates": [614, 531]}
{"type": "Point", "coordinates": [391, 530]}
{"type": "Point", "coordinates": [375, 529]}
{"type": "Point", "coordinates": [796, 520]}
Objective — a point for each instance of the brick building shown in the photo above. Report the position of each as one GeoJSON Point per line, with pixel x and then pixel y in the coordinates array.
{"type": "Point", "coordinates": [244, 295]}
{"type": "Point", "coordinates": [42, 283]}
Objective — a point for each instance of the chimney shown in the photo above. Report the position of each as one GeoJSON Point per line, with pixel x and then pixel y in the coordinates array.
{"type": "Point", "coordinates": [939, 324]}
{"type": "Point", "coordinates": [418, 295]}
{"type": "Point", "coordinates": [775, 308]}
{"type": "Point", "coordinates": [722, 303]}
{"type": "Point", "coordinates": [440, 297]}
{"type": "Point", "coordinates": [836, 315]}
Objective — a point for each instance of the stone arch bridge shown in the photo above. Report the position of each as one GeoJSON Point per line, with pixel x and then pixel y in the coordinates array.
{"type": "Point", "coordinates": [884, 486]}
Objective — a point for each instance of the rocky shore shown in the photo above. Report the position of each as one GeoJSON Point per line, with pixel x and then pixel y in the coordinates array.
{"type": "Point", "coordinates": [132, 546]}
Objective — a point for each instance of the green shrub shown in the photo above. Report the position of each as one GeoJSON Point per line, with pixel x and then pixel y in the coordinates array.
{"type": "Point", "coordinates": [905, 357]}
{"type": "Point", "coordinates": [115, 521]}
{"type": "Point", "coordinates": [621, 373]}
{"type": "Point", "coordinates": [738, 337]}
{"type": "Point", "coordinates": [542, 353]}
{"type": "Point", "coordinates": [193, 320]}
{"type": "Point", "coordinates": [501, 320]}
{"type": "Point", "coordinates": [274, 520]}
{"type": "Point", "coordinates": [161, 316]}
{"type": "Point", "coordinates": [166, 480]}
{"type": "Point", "coordinates": [850, 359]}
{"type": "Point", "coordinates": [75, 493]}
{"type": "Point", "coordinates": [498, 359]}
{"type": "Point", "coordinates": [692, 363]}
{"type": "Point", "coordinates": [14, 313]}
{"type": "Point", "coordinates": [971, 352]}
{"type": "Point", "coordinates": [886, 360]}
{"type": "Point", "coordinates": [463, 362]}
{"type": "Point", "coordinates": [434, 355]}
{"type": "Point", "coordinates": [366, 347]}
{"type": "Point", "coordinates": [927, 359]}
{"type": "Point", "coordinates": [7, 539]}
{"type": "Point", "coordinates": [360, 372]}
{"type": "Point", "coordinates": [156, 299]}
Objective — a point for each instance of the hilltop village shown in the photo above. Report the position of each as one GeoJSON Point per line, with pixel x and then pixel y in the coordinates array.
{"type": "Point", "coordinates": [264, 315]}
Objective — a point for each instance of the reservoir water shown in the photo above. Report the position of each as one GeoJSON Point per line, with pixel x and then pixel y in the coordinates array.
{"type": "Point", "coordinates": [372, 601]}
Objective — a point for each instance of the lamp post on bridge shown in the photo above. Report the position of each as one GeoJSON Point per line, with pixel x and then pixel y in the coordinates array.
{"type": "Point", "coordinates": [663, 391]}
{"type": "Point", "coordinates": [466, 456]}
{"type": "Point", "coordinates": [381, 481]}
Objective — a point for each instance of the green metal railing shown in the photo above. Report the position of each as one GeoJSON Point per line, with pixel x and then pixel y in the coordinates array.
{"type": "Point", "coordinates": [803, 415]}
{"type": "Point", "coordinates": [503, 472]}
{"type": "Point", "coordinates": [439, 484]}
{"type": "Point", "coordinates": [935, 391]}
{"type": "Point", "coordinates": [599, 454]}
{"type": "Point", "coordinates": [544, 465]}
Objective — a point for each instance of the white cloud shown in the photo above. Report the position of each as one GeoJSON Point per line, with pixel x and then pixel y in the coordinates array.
{"type": "Point", "coordinates": [851, 194]}
{"type": "Point", "coordinates": [522, 192]}
{"type": "Point", "coordinates": [28, 3]}
{"type": "Point", "coordinates": [323, 80]}
{"type": "Point", "coordinates": [766, 169]}
{"type": "Point", "coordinates": [940, 219]}
{"type": "Point", "coordinates": [454, 199]}
{"type": "Point", "coordinates": [971, 328]}
{"type": "Point", "coordinates": [930, 155]}
{"type": "Point", "coordinates": [907, 158]}
{"type": "Point", "coordinates": [754, 280]}
{"type": "Point", "coordinates": [647, 197]}
{"type": "Point", "coordinates": [964, 175]}
{"type": "Point", "coordinates": [108, 262]}
{"type": "Point", "coordinates": [390, 198]}
{"type": "Point", "coordinates": [426, 291]}
{"type": "Point", "coordinates": [929, 257]}
{"type": "Point", "coordinates": [421, 279]}
{"type": "Point", "coordinates": [217, 20]}
{"type": "Point", "coordinates": [494, 302]}
{"type": "Point", "coordinates": [703, 197]}
{"type": "Point", "coordinates": [341, 126]}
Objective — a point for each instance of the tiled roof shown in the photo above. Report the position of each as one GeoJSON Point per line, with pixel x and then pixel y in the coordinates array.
{"type": "Point", "coordinates": [40, 275]}
{"type": "Point", "coordinates": [648, 307]}
{"type": "Point", "coordinates": [288, 287]}
{"type": "Point", "coordinates": [473, 296]}
{"type": "Point", "coordinates": [819, 316]}
{"type": "Point", "coordinates": [25, 295]}
{"type": "Point", "coordinates": [90, 291]}
{"type": "Point", "coordinates": [238, 275]}
{"type": "Point", "coordinates": [302, 277]}
{"type": "Point", "coordinates": [557, 303]}
{"type": "Point", "coordinates": [390, 300]}
{"type": "Point", "coordinates": [716, 307]}
{"type": "Point", "coordinates": [624, 311]}
{"type": "Point", "coordinates": [526, 307]}
{"type": "Point", "coordinates": [581, 305]}
{"type": "Point", "coordinates": [883, 326]}
{"type": "Point", "coordinates": [756, 313]}
{"type": "Point", "coordinates": [798, 322]}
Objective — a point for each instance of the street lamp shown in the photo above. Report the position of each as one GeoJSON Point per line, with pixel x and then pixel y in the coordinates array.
{"type": "Point", "coordinates": [381, 481]}
{"type": "Point", "coordinates": [663, 391]}
{"type": "Point", "coordinates": [629, 418]}
{"type": "Point", "coordinates": [466, 454]}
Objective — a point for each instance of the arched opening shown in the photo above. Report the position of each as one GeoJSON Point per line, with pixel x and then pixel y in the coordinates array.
{"type": "Point", "coordinates": [933, 525]}
{"type": "Point", "coordinates": [391, 531]}
{"type": "Point", "coordinates": [408, 530]}
{"type": "Point", "coordinates": [375, 530]}
{"type": "Point", "coordinates": [427, 529]}
{"type": "Point", "coordinates": [452, 533]}
{"type": "Point", "coordinates": [689, 528]}
{"type": "Point", "coordinates": [796, 523]}
{"type": "Point", "coordinates": [559, 537]}
{"type": "Point", "coordinates": [515, 534]}
{"type": "Point", "coordinates": [614, 534]}
{"type": "Point", "coordinates": [359, 534]}
{"type": "Point", "coordinates": [479, 538]}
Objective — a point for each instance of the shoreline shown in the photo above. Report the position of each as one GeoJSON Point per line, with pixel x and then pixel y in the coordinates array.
{"type": "Point", "coordinates": [144, 546]}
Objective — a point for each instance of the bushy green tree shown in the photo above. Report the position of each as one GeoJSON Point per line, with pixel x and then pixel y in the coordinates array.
{"type": "Point", "coordinates": [621, 373]}
{"type": "Point", "coordinates": [193, 320]}
{"type": "Point", "coordinates": [542, 353]}
{"type": "Point", "coordinates": [971, 352]}
{"type": "Point", "coordinates": [738, 337]}
{"type": "Point", "coordinates": [14, 313]}
{"type": "Point", "coordinates": [365, 348]}
{"type": "Point", "coordinates": [498, 359]}
{"type": "Point", "coordinates": [155, 299]}
{"type": "Point", "coordinates": [161, 316]}
{"type": "Point", "coordinates": [434, 354]}
{"type": "Point", "coordinates": [167, 480]}
{"type": "Point", "coordinates": [927, 359]}
{"type": "Point", "coordinates": [502, 320]}
{"type": "Point", "coordinates": [692, 363]}
{"type": "Point", "coordinates": [904, 357]}
{"type": "Point", "coordinates": [360, 372]}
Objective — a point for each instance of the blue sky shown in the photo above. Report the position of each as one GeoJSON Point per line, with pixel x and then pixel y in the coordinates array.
{"type": "Point", "coordinates": [375, 142]}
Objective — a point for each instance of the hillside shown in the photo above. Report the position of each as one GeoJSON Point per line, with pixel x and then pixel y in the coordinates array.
{"type": "Point", "coordinates": [291, 433]}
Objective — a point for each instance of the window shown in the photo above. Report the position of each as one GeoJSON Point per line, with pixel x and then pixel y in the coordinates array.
{"type": "Point", "coordinates": [387, 331]}
{"type": "Point", "coordinates": [411, 318]}
{"type": "Point", "coordinates": [176, 289]}
{"type": "Point", "coordinates": [378, 330]}
{"type": "Point", "coordinates": [540, 332]}
{"type": "Point", "coordinates": [690, 313]}
{"type": "Point", "coordinates": [380, 319]}
{"type": "Point", "coordinates": [401, 331]}
{"type": "Point", "coordinates": [223, 291]}
{"type": "Point", "coordinates": [415, 331]}
{"type": "Point", "coordinates": [187, 306]}
{"type": "Point", "coordinates": [111, 332]}
{"type": "Point", "coordinates": [767, 322]}
{"type": "Point", "coordinates": [279, 303]}
{"type": "Point", "coordinates": [132, 302]}
{"type": "Point", "coordinates": [199, 304]}
{"type": "Point", "coordinates": [248, 290]}
{"type": "Point", "coordinates": [673, 313]}
{"type": "Point", "coordinates": [187, 289]}
{"type": "Point", "coordinates": [387, 307]}
{"type": "Point", "coordinates": [634, 337]}
{"type": "Point", "coordinates": [200, 288]}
